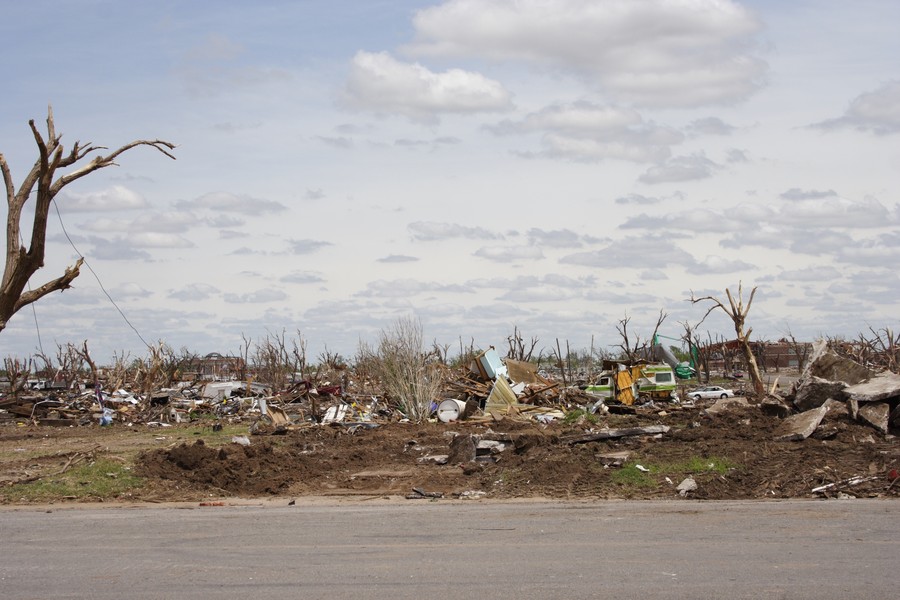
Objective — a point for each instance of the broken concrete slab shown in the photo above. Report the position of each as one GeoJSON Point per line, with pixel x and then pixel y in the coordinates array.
{"type": "Point", "coordinates": [876, 414]}
{"type": "Point", "coordinates": [814, 391]}
{"type": "Point", "coordinates": [880, 387]}
{"type": "Point", "coordinates": [687, 485]}
{"type": "Point", "coordinates": [895, 416]}
{"type": "Point", "coordinates": [836, 408]}
{"type": "Point", "coordinates": [462, 449]}
{"type": "Point", "coordinates": [489, 447]}
{"type": "Point", "coordinates": [723, 404]}
{"type": "Point", "coordinates": [825, 363]}
{"type": "Point", "coordinates": [614, 459]}
{"type": "Point", "coordinates": [774, 407]}
{"type": "Point", "coordinates": [800, 426]}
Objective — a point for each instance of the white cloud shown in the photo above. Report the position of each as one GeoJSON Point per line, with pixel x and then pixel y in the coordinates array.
{"type": "Point", "coordinates": [193, 292]}
{"type": "Point", "coordinates": [584, 131]}
{"type": "Point", "coordinates": [877, 112]}
{"type": "Point", "coordinates": [632, 250]}
{"type": "Point", "coordinates": [714, 265]}
{"type": "Point", "coordinates": [835, 211]}
{"type": "Point", "coordinates": [258, 297]}
{"type": "Point", "coordinates": [111, 199]}
{"type": "Point", "coordinates": [429, 231]}
{"type": "Point", "coordinates": [653, 52]}
{"type": "Point", "coordinates": [151, 239]}
{"type": "Point", "coordinates": [681, 168]}
{"type": "Point", "coordinates": [509, 253]}
{"type": "Point", "coordinates": [130, 290]}
{"type": "Point", "coordinates": [380, 83]}
{"type": "Point", "coordinates": [406, 288]}
{"type": "Point", "coordinates": [397, 259]}
{"type": "Point", "coordinates": [710, 126]}
{"type": "Point", "coordinates": [810, 274]}
{"type": "Point", "coordinates": [307, 246]}
{"type": "Point", "coordinates": [303, 277]}
{"type": "Point", "coordinates": [232, 203]}
{"type": "Point", "coordinates": [559, 238]}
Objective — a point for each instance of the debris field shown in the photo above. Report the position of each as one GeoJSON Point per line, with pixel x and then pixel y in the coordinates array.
{"type": "Point", "coordinates": [832, 435]}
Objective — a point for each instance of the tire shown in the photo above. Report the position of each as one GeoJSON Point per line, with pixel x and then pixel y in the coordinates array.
{"type": "Point", "coordinates": [696, 398]}
{"type": "Point", "coordinates": [723, 396]}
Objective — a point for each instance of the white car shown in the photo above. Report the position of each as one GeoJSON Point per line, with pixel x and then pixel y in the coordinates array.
{"type": "Point", "coordinates": [710, 391]}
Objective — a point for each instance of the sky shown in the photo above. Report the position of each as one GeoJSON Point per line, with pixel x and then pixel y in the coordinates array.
{"type": "Point", "coordinates": [485, 167]}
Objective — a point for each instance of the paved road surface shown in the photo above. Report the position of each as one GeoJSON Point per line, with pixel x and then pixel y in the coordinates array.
{"type": "Point", "coordinates": [422, 549]}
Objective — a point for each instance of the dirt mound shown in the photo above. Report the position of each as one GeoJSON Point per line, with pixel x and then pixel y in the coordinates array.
{"type": "Point", "coordinates": [240, 470]}
{"type": "Point", "coordinates": [730, 455]}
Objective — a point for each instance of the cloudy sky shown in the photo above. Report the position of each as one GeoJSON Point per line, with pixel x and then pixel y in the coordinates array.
{"type": "Point", "coordinates": [551, 166]}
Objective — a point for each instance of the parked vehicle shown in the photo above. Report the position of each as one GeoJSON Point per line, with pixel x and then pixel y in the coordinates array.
{"type": "Point", "coordinates": [710, 391]}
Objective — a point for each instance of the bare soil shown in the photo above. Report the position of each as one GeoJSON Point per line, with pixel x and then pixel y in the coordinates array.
{"type": "Point", "coordinates": [196, 463]}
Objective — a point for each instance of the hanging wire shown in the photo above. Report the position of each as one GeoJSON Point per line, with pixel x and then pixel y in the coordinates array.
{"type": "Point", "coordinates": [100, 283]}
{"type": "Point", "coordinates": [37, 327]}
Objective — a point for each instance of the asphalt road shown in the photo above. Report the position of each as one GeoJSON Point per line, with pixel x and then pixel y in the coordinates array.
{"type": "Point", "coordinates": [440, 549]}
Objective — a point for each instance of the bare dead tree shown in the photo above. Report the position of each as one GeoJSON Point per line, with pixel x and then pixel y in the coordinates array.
{"type": "Point", "coordinates": [887, 348]}
{"type": "Point", "coordinates": [22, 263]}
{"type": "Point", "coordinates": [625, 346]}
{"type": "Point", "coordinates": [120, 371]}
{"type": "Point", "coordinates": [273, 362]}
{"type": "Point", "coordinates": [562, 362]}
{"type": "Point", "coordinates": [737, 312]}
{"type": "Point", "coordinates": [17, 371]}
{"type": "Point", "coordinates": [48, 371]}
{"type": "Point", "coordinates": [693, 345]}
{"type": "Point", "coordinates": [880, 351]}
{"type": "Point", "coordinates": [441, 351]}
{"type": "Point", "coordinates": [86, 357]}
{"type": "Point", "coordinates": [659, 321]}
{"type": "Point", "coordinates": [70, 364]}
{"type": "Point", "coordinates": [517, 346]}
{"type": "Point", "coordinates": [298, 352]}
{"type": "Point", "coordinates": [244, 355]}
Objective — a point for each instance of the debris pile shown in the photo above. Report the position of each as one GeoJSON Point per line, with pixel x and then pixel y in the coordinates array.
{"type": "Point", "coordinates": [503, 428]}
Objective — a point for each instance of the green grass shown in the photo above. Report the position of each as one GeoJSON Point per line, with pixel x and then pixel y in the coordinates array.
{"type": "Point", "coordinates": [697, 464]}
{"type": "Point", "coordinates": [630, 476]}
{"type": "Point", "coordinates": [100, 479]}
{"type": "Point", "coordinates": [574, 416]}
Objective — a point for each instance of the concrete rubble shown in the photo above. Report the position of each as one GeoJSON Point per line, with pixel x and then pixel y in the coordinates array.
{"type": "Point", "coordinates": [801, 425]}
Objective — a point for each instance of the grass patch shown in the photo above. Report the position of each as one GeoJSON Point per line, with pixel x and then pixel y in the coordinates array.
{"type": "Point", "coordinates": [100, 479]}
{"type": "Point", "coordinates": [698, 464]}
{"type": "Point", "coordinates": [580, 415]}
{"type": "Point", "coordinates": [630, 476]}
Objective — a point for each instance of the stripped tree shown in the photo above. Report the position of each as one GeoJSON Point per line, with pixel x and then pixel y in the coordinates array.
{"type": "Point", "coordinates": [22, 262]}
{"type": "Point", "coordinates": [737, 312]}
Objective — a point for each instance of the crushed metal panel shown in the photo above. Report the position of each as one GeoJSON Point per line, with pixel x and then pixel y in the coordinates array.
{"type": "Point", "coordinates": [490, 366]}
{"type": "Point", "coordinates": [625, 385]}
{"type": "Point", "coordinates": [501, 395]}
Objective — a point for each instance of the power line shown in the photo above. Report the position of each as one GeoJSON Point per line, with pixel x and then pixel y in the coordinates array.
{"type": "Point", "coordinates": [100, 283]}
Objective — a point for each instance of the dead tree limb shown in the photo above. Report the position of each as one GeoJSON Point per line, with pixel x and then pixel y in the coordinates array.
{"type": "Point", "coordinates": [22, 262]}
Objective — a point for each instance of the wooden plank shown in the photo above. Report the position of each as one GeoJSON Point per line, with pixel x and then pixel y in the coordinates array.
{"type": "Point", "coordinates": [606, 434]}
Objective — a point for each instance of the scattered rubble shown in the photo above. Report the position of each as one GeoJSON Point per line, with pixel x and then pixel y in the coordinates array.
{"type": "Point", "coordinates": [800, 426]}
{"type": "Point", "coordinates": [499, 428]}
